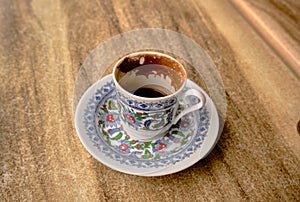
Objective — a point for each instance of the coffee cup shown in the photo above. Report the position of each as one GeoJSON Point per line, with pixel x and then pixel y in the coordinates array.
{"type": "Point", "coordinates": [149, 85]}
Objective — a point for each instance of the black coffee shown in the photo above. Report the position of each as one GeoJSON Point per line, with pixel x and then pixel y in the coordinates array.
{"type": "Point", "coordinates": [148, 92]}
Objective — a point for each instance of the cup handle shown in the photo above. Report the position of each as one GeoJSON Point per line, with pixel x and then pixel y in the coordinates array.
{"type": "Point", "coordinates": [200, 104]}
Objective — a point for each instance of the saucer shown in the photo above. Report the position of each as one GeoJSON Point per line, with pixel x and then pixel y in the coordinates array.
{"type": "Point", "coordinates": [98, 126]}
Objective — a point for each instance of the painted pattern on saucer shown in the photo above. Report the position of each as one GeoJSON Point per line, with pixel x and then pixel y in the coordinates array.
{"type": "Point", "coordinates": [102, 124]}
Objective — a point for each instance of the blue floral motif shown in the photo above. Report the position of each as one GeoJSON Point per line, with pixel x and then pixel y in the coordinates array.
{"type": "Point", "coordinates": [151, 106]}
{"type": "Point", "coordinates": [145, 120]}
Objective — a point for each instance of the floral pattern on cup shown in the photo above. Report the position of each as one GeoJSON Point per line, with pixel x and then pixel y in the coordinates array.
{"type": "Point", "coordinates": [165, 104]}
{"type": "Point", "coordinates": [145, 120]}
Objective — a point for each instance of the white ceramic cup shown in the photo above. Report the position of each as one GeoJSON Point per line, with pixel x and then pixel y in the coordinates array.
{"type": "Point", "coordinates": [149, 85]}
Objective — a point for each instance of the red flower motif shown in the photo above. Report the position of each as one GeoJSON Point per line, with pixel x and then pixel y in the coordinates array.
{"type": "Point", "coordinates": [131, 118]}
{"type": "Point", "coordinates": [110, 118]}
{"type": "Point", "coordinates": [124, 147]}
{"type": "Point", "coordinates": [162, 147]}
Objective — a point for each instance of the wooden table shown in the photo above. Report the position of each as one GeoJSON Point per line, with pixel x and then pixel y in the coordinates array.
{"type": "Point", "coordinates": [255, 46]}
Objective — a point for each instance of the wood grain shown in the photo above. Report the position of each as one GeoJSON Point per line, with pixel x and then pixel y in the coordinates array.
{"type": "Point", "coordinates": [278, 23]}
{"type": "Point", "coordinates": [42, 47]}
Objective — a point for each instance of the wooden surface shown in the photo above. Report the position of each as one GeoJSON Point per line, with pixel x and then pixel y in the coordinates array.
{"type": "Point", "coordinates": [255, 47]}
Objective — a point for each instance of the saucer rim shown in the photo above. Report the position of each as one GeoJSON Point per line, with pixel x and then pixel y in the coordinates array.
{"type": "Point", "coordinates": [206, 147]}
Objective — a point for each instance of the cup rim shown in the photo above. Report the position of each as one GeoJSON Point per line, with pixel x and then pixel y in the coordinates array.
{"type": "Point", "coordinates": [136, 53]}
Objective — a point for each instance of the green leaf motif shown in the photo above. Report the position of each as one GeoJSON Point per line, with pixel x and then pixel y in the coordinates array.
{"type": "Point", "coordinates": [104, 108]}
{"type": "Point", "coordinates": [112, 105]}
{"type": "Point", "coordinates": [179, 133]}
{"type": "Point", "coordinates": [117, 137]}
{"type": "Point", "coordinates": [147, 154]}
{"type": "Point", "coordinates": [104, 132]}
{"type": "Point", "coordinates": [139, 117]}
{"type": "Point", "coordinates": [147, 144]}
{"type": "Point", "coordinates": [108, 140]}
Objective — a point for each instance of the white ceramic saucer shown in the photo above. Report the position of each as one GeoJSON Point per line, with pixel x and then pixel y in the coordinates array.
{"type": "Point", "coordinates": [99, 129]}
